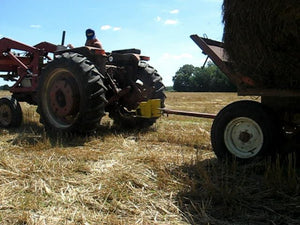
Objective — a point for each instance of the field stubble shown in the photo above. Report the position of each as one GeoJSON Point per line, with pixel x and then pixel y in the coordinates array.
{"type": "Point", "coordinates": [167, 174]}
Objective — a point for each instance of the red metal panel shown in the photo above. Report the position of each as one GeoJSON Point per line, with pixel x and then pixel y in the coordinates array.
{"type": "Point", "coordinates": [9, 65]}
{"type": "Point", "coordinates": [215, 51]}
{"type": "Point", "coordinates": [46, 46]}
{"type": "Point", "coordinates": [23, 66]}
{"type": "Point", "coordinates": [6, 44]}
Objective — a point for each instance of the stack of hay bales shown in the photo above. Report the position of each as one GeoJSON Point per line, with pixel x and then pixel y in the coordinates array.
{"type": "Point", "coordinates": [262, 39]}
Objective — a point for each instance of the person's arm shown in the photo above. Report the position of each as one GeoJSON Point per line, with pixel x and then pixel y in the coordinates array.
{"type": "Point", "coordinates": [94, 43]}
{"type": "Point", "coordinates": [97, 44]}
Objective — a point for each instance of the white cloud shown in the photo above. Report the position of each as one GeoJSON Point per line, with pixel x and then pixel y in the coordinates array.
{"type": "Point", "coordinates": [171, 22]}
{"type": "Point", "coordinates": [105, 27]}
{"type": "Point", "coordinates": [175, 11]}
{"type": "Point", "coordinates": [1, 35]}
{"type": "Point", "coordinates": [108, 27]}
{"type": "Point", "coordinates": [116, 28]}
{"type": "Point", "coordinates": [158, 19]}
{"type": "Point", "coordinates": [36, 26]}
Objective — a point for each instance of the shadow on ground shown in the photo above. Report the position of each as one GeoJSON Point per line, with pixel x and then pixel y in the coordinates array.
{"type": "Point", "coordinates": [264, 192]}
{"type": "Point", "coordinates": [33, 133]}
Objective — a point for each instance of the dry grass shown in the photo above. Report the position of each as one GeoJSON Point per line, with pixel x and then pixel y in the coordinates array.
{"type": "Point", "coordinates": [262, 39]}
{"type": "Point", "coordinates": [165, 175]}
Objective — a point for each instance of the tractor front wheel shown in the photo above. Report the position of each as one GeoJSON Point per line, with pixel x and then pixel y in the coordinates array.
{"type": "Point", "coordinates": [10, 112]}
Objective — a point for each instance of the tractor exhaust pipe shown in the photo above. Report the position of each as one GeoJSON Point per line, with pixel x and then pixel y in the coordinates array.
{"type": "Point", "coordinates": [63, 38]}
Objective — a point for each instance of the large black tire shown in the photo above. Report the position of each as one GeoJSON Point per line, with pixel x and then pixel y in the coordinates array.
{"type": "Point", "coordinates": [244, 130]}
{"type": "Point", "coordinates": [71, 95]}
{"type": "Point", "coordinates": [10, 112]}
{"type": "Point", "coordinates": [152, 82]}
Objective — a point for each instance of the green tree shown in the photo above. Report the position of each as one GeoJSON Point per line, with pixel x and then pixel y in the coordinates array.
{"type": "Point", "coordinates": [200, 80]}
{"type": "Point", "coordinates": [218, 80]}
{"type": "Point", "coordinates": [209, 78]}
{"type": "Point", "coordinates": [4, 87]}
{"type": "Point", "coordinates": [182, 77]}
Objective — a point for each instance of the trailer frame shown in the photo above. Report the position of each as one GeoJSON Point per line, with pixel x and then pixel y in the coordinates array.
{"type": "Point", "coordinates": [245, 85]}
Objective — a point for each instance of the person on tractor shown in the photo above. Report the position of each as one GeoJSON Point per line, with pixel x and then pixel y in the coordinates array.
{"type": "Point", "coordinates": [91, 40]}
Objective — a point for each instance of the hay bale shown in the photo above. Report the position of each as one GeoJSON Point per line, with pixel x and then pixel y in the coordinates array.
{"type": "Point", "coordinates": [262, 40]}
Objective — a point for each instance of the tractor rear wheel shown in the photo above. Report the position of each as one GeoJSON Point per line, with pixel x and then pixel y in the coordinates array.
{"type": "Point", "coordinates": [10, 112]}
{"type": "Point", "coordinates": [152, 83]}
{"type": "Point", "coordinates": [244, 130]}
{"type": "Point", "coordinates": [71, 95]}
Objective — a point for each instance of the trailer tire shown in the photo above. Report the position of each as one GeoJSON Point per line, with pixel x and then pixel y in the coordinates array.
{"type": "Point", "coordinates": [152, 81]}
{"type": "Point", "coordinates": [244, 130]}
{"type": "Point", "coordinates": [71, 95]}
{"type": "Point", "coordinates": [10, 112]}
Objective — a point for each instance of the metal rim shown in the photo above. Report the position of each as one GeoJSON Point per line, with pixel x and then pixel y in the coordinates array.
{"type": "Point", "coordinates": [243, 137]}
{"type": "Point", "coordinates": [61, 98]}
{"type": "Point", "coordinates": [5, 115]}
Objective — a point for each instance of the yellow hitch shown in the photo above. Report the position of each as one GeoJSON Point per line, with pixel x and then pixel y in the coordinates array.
{"type": "Point", "coordinates": [150, 109]}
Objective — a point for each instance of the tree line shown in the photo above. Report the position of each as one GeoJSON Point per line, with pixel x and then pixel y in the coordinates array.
{"type": "Point", "coordinates": [205, 79]}
{"type": "Point", "coordinates": [4, 87]}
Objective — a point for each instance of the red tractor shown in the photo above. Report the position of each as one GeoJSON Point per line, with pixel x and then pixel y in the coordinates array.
{"type": "Point", "coordinates": [74, 88]}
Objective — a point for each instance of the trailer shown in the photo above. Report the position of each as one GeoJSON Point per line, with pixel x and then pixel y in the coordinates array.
{"type": "Point", "coordinates": [250, 129]}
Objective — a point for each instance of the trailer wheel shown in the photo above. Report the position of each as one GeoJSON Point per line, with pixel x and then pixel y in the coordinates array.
{"type": "Point", "coordinates": [71, 94]}
{"type": "Point", "coordinates": [10, 112]}
{"type": "Point", "coordinates": [244, 130]}
{"type": "Point", "coordinates": [152, 82]}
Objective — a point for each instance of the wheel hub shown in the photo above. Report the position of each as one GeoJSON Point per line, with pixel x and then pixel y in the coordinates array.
{"type": "Point", "coordinates": [243, 137]}
{"type": "Point", "coordinates": [62, 98]}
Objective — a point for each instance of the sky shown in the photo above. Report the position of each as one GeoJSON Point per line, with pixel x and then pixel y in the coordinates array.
{"type": "Point", "coordinates": [160, 28]}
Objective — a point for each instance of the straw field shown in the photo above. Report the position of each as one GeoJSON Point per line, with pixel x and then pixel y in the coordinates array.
{"type": "Point", "coordinates": [167, 174]}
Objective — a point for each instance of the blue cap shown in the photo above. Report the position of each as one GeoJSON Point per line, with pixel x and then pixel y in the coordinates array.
{"type": "Point", "coordinates": [90, 34]}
